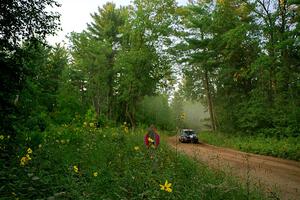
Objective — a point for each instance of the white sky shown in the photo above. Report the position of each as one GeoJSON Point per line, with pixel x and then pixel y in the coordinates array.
{"type": "Point", "coordinates": [75, 14]}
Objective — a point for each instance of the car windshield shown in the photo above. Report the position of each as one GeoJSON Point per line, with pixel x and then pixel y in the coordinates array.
{"type": "Point", "coordinates": [189, 132]}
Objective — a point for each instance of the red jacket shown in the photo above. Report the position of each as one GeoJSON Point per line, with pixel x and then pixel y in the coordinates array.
{"type": "Point", "coordinates": [156, 140]}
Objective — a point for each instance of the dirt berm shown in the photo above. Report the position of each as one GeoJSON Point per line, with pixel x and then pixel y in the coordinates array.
{"type": "Point", "coordinates": [273, 174]}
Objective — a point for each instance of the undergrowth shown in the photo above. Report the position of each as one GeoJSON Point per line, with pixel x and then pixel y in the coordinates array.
{"type": "Point", "coordinates": [288, 148]}
{"type": "Point", "coordinates": [69, 162]}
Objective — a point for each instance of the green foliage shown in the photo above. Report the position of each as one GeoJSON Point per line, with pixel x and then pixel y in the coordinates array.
{"type": "Point", "coordinates": [64, 164]}
{"type": "Point", "coordinates": [242, 59]}
{"type": "Point", "coordinates": [135, 81]}
{"type": "Point", "coordinates": [118, 58]}
{"type": "Point", "coordinates": [37, 97]}
{"type": "Point", "coordinates": [287, 147]}
{"type": "Point", "coordinates": [106, 23]}
{"type": "Point", "coordinates": [22, 22]}
{"type": "Point", "coordinates": [91, 116]}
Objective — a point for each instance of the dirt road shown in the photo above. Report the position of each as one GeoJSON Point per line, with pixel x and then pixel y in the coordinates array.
{"type": "Point", "coordinates": [272, 173]}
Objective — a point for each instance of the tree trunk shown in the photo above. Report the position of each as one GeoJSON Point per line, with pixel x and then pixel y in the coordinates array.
{"type": "Point", "coordinates": [110, 83]}
{"type": "Point", "coordinates": [209, 101]}
{"type": "Point", "coordinates": [130, 116]}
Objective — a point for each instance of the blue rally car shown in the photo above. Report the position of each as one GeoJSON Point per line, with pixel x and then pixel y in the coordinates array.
{"type": "Point", "coordinates": [188, 136]}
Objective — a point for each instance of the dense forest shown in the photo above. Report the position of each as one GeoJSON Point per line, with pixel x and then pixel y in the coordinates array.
{"type": "Point", "coordinates": [139, 64]}
{"type": "Point", "coordinates": [239, 58]}
{"type": "Point", "coordinates": [244, 59]}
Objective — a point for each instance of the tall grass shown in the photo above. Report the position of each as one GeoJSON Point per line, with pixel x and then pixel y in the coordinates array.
{"type": "Point", "coordinates": [288, 148]}
{"type": "Point", "coordinates": [88, 163]}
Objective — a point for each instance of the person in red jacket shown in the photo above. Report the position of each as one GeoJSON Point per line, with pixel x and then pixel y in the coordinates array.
{"type": "Point", "coordinates": [151, 138]}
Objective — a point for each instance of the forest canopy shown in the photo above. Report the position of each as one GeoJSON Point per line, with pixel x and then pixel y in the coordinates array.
{"type": "Point", "coordinates": [140, 63]}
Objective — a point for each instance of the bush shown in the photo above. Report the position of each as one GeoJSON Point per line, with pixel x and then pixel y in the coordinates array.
{"type": "Point", "coordinates": [288, 147]}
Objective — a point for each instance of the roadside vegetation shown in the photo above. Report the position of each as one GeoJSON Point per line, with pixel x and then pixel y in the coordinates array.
{"type": "Point", "coordinates": [287, 147]}
{"type": "Point", "coordinates": [84, 162]}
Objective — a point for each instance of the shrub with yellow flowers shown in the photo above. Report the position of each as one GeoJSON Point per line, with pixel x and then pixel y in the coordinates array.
{"type": "Point", "coordinates": [25, 159]}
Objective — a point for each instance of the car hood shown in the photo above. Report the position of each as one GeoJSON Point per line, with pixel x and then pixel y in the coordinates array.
{"type": "Point", "coordinates": [192, 136]}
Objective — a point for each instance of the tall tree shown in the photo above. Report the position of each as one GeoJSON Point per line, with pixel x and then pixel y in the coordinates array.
{"type": "Point", "coordinates": [19, 21]}
{"type": "Point", "coordinates": [199, 56]}
{"type": "Point", "coordinates": [245, 54]}
{"type": "Point", "coordinates": [106, 27]}
{"type": "Point", "coordinates": [90, 59]}
{"type": "Point", "coordinates": [140, 66]}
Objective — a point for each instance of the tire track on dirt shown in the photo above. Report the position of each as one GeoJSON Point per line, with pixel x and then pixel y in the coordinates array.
{"type": "Point", "coordinates": [269, 172]}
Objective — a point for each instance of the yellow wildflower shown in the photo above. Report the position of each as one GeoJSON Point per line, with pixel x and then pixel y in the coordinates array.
{"type": "Point", "coordinates": [75, 169]}
{"type": "Point", "coordinates": [40, 145]}
{"type": "Point", "coordinates": [150, 140]}
{"type": "Point", "coordinates": [28, 157]}
{"type": "Point", "coordinates": [8, 136]}
{"type": "Point", "coordinates": [136, 148]}
{"type": "Point", "coordinates": [166, 187]}
{"type": "Point", "coordinates": [1, 137]}
{"type": "Point", "coordinates": [95, 174]}
{"type": "Point", "coordinates": [23, 161]}
{"type": "Point", "coordinates": [29, 151]}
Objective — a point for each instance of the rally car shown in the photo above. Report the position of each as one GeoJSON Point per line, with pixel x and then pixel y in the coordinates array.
{"type": "Point", "coordinates": [188, 136]}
